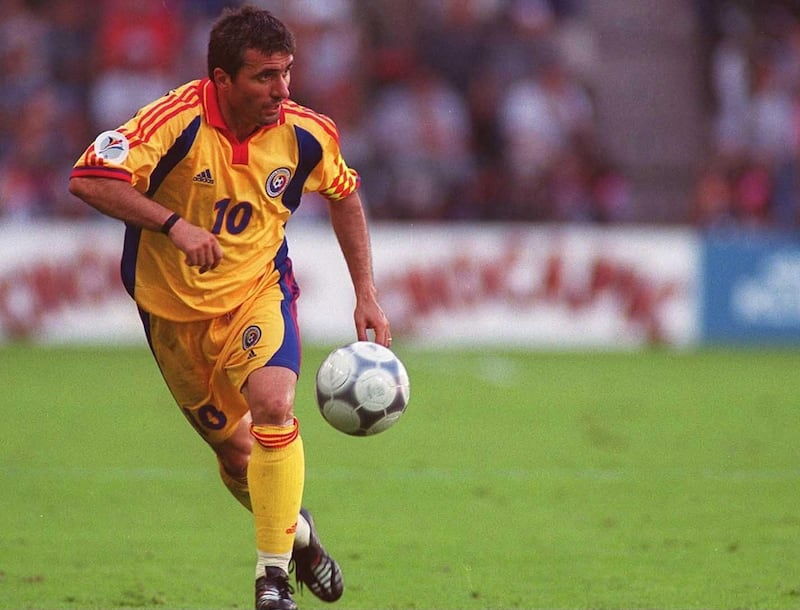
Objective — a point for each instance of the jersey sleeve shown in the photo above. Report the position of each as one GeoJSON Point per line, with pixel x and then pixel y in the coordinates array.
{"type": "Point", "coordinates": [338, 180]}
{"type": "Point", "coordinates": [332, 178]}
{"type": "Point", "coordinates": [133, 151]}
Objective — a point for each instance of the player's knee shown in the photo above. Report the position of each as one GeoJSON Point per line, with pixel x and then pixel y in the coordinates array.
{"type": "Point", "coordinates": [274, 410]}
{"type": "Point", "coordinates": [269, 392]}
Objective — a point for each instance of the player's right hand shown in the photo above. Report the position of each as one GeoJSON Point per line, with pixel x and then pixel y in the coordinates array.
{"type": "Point", "coordinates": [200, 246]}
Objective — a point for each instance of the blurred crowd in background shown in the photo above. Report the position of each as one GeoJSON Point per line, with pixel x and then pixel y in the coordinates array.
{"type": "Point", "coordinates": [450, 109]}
{"type": "Point", "coordinates": [752, 172]}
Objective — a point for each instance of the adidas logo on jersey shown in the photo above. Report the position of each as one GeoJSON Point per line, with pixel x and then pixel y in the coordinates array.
{"type": "Point", "coordinates": [204, 177]}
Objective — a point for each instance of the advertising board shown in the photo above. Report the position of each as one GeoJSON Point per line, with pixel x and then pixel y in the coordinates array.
{"type": "Point", "coordinates": [462, 285]}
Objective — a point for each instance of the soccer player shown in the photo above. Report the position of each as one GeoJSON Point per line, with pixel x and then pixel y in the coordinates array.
{"type": "Point", "coordinates": [205, 180]}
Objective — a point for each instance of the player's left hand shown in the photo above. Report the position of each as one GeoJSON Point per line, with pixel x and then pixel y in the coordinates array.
{"type": "Point", "coordinates": [369, 316]}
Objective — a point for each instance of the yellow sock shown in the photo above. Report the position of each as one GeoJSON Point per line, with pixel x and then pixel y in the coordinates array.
{"type": "Point", "coordinates": [276, 475]}
{"type": "Point", "coordinates": [237, 487]}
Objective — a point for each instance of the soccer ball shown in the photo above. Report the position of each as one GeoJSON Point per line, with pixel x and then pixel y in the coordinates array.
{"type": "Point", "coordinates": [362, 388]}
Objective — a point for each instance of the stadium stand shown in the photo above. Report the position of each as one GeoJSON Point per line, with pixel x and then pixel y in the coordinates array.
{"type": "Point", "coordinates": [678, 111]}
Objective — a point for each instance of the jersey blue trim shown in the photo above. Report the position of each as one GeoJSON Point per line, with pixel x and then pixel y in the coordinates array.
{"type": "Point", "coordinates": [174, 155]}
{"type": "Point", "coordinates": [289, 353]}
{"type": "Point", "coordinates": [130, 251]}
{"type": "Point", "coordinates": [310, 154]}
{"type": "Point", "coordinates": [145, 318]}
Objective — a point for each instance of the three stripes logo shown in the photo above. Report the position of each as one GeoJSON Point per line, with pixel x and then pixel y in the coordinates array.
{"type": "Point", "coordinates": [204, 177]}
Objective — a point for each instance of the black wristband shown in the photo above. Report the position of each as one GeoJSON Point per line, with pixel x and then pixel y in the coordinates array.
{"type": "Point", "coordinates": [170, 222]}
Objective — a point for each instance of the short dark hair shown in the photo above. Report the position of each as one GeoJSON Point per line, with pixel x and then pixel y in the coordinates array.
{"type": "Point", "coordinates": [240, 29]}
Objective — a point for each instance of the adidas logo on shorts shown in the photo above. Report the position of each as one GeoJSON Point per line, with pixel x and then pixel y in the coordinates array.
{"type": "Point", "coordinates": [204, 177]}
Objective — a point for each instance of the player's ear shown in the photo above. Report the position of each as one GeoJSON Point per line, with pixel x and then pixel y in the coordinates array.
{"type": "Point", "coordinates": [221, 78]}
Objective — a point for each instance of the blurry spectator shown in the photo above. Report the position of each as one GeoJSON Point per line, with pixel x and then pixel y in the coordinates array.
{"type": "Point", "coordinates": [421, 136]}
{"type": "Point", "coordinates": [448, 37]}
{"type": "Point", "coordinates": [752, 193]}
{"type": "Point", "coordinates": [753, 178]}
{"type": "Point", "coordinates": [25, 77]}
{"type": "Point", "coordinates": [730, 80]}
{"type": "Point", "coordinates": [330, 54]}
{"type": "Point", "coordinates": [542, 119]}
{"type": "Point", "coordinates": [24, 67]}
{"type": "Point", "coordinates": [136, 51]}
{"type": "Point", "coordinates": [712, 200]}
{"type": "Point", "coordinates": [589, 188]}
{"type": "Point", "coordinates": [28, 193]}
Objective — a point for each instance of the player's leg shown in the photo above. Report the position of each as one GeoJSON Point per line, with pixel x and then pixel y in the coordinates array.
{"type": "Point", "coordinates": [263, 359]}
{"type": "Point", "coordinates": [276, 471]}
{"type": "Point", "coordinates": [276, 476]}
{"type": "Point", "coordinates": [214, 405]}
{"type": "Point", "coordinates": [233, 455]}
{"type": "Point", "coordinates": [314, 566]}
{"type": "Point", "coordinates": [217, 411]}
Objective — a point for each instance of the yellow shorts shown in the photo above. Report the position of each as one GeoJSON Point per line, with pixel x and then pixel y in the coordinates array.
{"type": "Point", "coordinates": [206, 363]}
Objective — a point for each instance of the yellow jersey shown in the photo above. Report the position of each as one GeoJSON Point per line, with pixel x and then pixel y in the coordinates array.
{"type": "Point", "coordinates": [179, 152]}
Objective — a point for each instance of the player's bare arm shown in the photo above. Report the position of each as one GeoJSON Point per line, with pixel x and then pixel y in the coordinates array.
{"type": "Point", "coordinates": [120, 200]}
{"type": "Point", "coordinates": [350, 226]}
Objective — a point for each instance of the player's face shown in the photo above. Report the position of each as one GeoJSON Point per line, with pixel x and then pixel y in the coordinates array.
{"type": "Point", "coordinates": [254, 96]}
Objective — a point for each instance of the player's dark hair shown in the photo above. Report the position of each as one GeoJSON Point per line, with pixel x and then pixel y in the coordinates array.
{"type": "Point", "coordinates": [240, 29]}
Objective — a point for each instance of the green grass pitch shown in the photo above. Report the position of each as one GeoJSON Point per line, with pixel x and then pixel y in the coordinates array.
{"type": "Point", "coordinates": [650, 479]}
